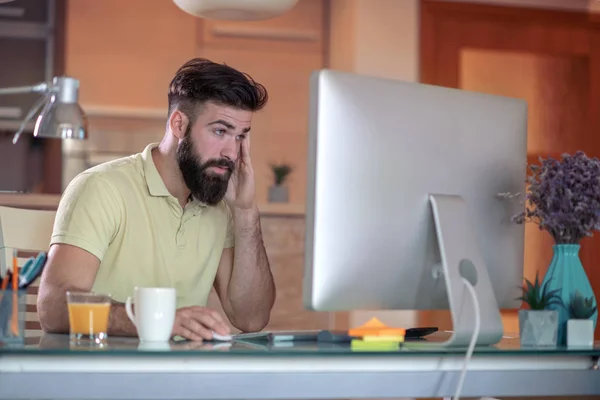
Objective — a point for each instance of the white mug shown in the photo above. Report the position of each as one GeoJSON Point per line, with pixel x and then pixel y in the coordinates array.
{"type": "Point", "coordinates": [154, 313]}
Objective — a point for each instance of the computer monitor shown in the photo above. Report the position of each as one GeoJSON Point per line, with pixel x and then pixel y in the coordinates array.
{"type": "Point", "coordinates": [405, 197]}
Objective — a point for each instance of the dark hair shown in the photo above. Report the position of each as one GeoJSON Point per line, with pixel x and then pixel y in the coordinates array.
{"type": "Point", "coordinates": [200, 80]}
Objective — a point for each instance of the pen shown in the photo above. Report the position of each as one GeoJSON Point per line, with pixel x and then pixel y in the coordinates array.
{"type": "Point", "coordinates": [31, 270]}
{"type": "Point", "coordinates": [15, 287]}
{"type": "Point", "coordinates": [15, 263]}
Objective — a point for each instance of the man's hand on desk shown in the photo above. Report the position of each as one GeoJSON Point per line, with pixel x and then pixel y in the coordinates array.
{"type": "Point", "coordinates": [198, 323]}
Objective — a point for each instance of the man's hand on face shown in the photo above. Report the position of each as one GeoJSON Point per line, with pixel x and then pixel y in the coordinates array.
{"type": "Point", "coordinates": [198, 323]}
{"type": "Point", "coordinates": [241, 190]}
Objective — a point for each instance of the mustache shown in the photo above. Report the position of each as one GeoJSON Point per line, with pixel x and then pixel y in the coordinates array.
{"type": "Point", "coordinates": [223, 163]}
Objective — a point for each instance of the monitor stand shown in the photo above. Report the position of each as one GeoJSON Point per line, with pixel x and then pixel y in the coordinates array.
{"type": "Point", "coordinates": [460, 258]}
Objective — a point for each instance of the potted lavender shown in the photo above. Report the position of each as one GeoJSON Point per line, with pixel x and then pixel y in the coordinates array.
{"type": "Point", "coordinates": [563, 199]}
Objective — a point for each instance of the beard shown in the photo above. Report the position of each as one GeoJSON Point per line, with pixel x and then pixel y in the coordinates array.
{"type": "Point", "coordinates": [205, 186]}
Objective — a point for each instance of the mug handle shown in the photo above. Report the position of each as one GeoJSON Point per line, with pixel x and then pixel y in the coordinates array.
{"type": "Point", "coordinates": [129, 310]}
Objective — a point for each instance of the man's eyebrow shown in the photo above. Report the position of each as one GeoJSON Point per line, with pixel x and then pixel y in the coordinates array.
{"type": "Point", "coordinates": [227, 125]}
{"type": "Point", "coordinates": [222, 122]}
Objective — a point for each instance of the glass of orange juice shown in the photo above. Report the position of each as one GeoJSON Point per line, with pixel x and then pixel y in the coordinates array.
{"type": "Point", "coordinates": [88, 316]}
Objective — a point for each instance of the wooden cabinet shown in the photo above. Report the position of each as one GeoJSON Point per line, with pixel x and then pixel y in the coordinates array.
{"type": "Point", "coordinates": [299, 30]}
{"type": "Point", "coordinates": [26, 52]}
{"type": "Point", "coordinates": [28, 34]}
{"type": "Point", "coordinates": [125, 53]}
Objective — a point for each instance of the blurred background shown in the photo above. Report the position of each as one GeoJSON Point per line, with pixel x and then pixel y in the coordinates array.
{"type": "Point", "coordinates": [124, 54]}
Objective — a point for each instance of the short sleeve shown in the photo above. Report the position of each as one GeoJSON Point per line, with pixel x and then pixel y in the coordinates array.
{"type": "Point", "coordinates": [88, 215]}
{"type": "Point", "coordinates": [229, 236]}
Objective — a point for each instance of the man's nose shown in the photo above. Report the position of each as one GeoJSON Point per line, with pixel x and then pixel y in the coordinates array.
{"type": "Point", "coordinates": [230, 150]}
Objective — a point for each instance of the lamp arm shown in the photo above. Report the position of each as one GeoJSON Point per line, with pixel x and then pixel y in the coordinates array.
{"type": "Point", "coordinates": [39, 88]}
{"type": "Point", "coordinates": [38, 104]}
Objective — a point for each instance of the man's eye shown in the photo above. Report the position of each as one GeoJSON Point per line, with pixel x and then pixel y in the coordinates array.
{"type": "Point", "coordinates": [241, 137]}
{"type": "Point", "coordinates": [219, 132]}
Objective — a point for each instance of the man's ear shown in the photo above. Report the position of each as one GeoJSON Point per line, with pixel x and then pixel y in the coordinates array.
{"type": "Point", "coordinates": [178, 122]}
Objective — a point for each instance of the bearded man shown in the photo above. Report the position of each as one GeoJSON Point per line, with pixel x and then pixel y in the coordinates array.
{"type": "Point", "coordinates": [180, 214]}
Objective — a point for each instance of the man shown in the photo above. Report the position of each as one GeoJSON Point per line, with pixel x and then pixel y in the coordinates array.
{"type": "Point", "coordinates": [180, 214]}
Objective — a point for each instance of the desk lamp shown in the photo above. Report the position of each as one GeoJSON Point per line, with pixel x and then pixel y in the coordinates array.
{"type": "Point", "coordinates": [61, 117]}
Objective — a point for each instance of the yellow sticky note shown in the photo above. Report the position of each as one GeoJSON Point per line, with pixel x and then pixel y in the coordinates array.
{"type": "Point", "coordinates": [361, 345]}
{"type": "Point", "coordinates": [395, 339]}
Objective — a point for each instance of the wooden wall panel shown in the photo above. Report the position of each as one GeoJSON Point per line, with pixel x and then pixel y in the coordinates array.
{"type": "Point", "coordinates": [540, 80]}
{"type": "Point", "coordinates": [590, 252]}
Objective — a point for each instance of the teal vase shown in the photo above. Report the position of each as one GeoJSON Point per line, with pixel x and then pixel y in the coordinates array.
{"type": "Point", "coordinates": [566, 274]}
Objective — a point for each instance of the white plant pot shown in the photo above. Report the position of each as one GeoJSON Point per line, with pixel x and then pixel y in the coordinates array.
{"type": "Point", "coordinates": [538, 328]}
{"type": "Point", "coordinates": [580, 333]}
{"type": "Point", "coordinates": [278, 194]}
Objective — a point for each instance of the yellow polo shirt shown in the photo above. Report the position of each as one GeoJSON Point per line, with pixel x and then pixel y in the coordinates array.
{"type": "Point", "coordinates": [122, 213]}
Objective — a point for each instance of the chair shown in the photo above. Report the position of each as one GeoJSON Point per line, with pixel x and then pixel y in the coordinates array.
{"type": "Point", "coordinates": [28, 231]}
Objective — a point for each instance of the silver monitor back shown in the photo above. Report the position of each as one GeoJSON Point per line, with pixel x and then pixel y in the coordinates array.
{"type": "Point", "coordinates": [377, 149]}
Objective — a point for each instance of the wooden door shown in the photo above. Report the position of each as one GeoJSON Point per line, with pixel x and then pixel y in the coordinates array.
{"type": "Point", "coordinates": [551, 59]}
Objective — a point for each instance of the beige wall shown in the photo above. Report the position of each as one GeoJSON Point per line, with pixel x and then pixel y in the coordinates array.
{"type": "Point", "coordinates": [375, 37]}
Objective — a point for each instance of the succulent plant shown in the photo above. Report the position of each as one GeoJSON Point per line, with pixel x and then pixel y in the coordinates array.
{"type": "Point", "coordinates": [538, 297]}
{"type": "Point", "coordinates": [582, 307]}
{"type": "Point", "coordinates": [280, 172]}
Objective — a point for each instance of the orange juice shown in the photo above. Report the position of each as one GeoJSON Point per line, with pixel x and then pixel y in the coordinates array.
{"type": "Point", "coordinates": [88, 318]}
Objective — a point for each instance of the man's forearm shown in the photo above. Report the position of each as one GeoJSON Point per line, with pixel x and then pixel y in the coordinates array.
{"type": "Point", "coordinates": [119, 323]}
{"type": "Point", "coordinates": [52, 310]}
{"type": "Point", "coordinates": [251, 288]}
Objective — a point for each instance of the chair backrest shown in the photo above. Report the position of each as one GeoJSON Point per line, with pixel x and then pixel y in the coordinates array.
{"type": "Point", "coordinates": [22, 229]}
{"type": "Point", "coordinates": [29, 231]}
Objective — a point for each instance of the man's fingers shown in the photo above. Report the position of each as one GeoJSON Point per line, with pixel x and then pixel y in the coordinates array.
{"type": "Point", "coordinates": [186, 333]}
{"type": "Point", "coordinates": [197, 328]}
{"type": "Point", "coordinates": [221, 326]}
{"type": "Point", "coordinates": [246, 150]}
{"type": "Point", "coordinates": [211, 320]}
{"type": "Point", "coordinates": [200, 323]}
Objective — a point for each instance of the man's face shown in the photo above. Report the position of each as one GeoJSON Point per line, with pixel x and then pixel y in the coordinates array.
{"type": "Point", "coordinates": [211, 146]}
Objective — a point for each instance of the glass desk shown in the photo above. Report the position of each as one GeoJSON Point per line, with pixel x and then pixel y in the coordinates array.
{"type": "Point", "coordinates": [52, 368]}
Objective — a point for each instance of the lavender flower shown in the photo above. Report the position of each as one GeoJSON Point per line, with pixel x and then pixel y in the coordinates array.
{"type": "Point", "coordinates": [563, 197]}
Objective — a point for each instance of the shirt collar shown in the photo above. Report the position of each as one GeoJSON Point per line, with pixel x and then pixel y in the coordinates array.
{"type": "Point", "coordinates": [156, 186]}
{"type": "Point", "coordinates": [155, 183]}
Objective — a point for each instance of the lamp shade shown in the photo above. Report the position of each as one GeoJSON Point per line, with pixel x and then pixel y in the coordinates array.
{"type": "Point", "coordinates": [236, 10]}
{"type": "Point", "coordinates": [62, 117]}
{"type": "Point", "coordinates": [61, 121]}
